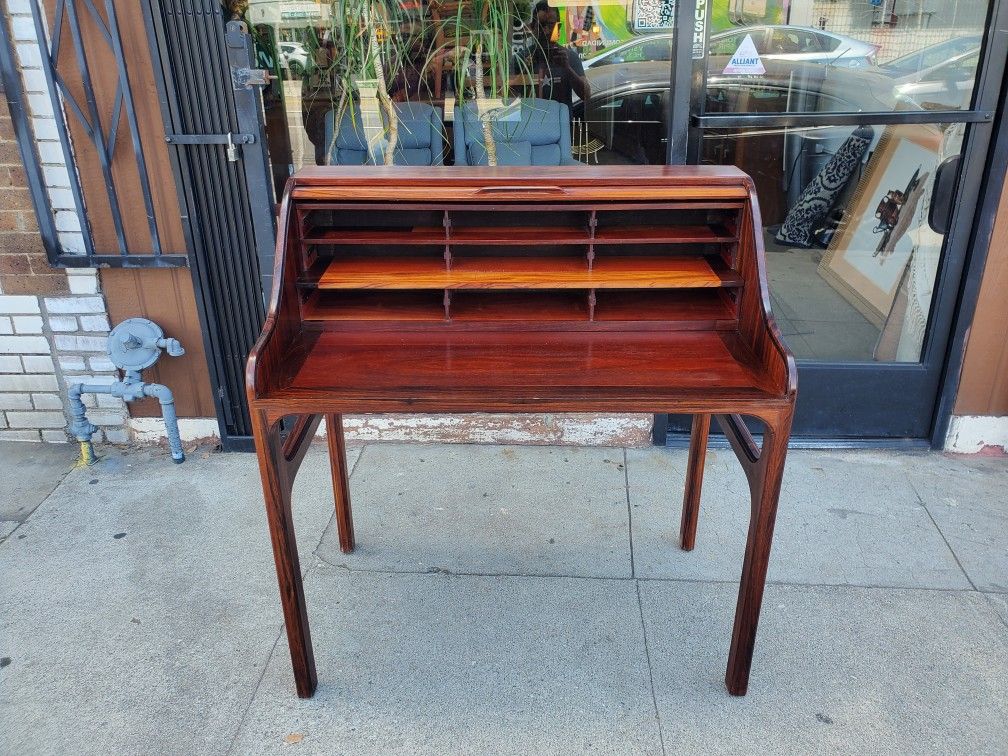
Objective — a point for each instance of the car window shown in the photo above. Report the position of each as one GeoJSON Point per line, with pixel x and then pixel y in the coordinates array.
{"type": "Point", "coordinates": [936, 57]}
{"type": "Point", "coordinates": [965, 68]}
{"type": "Point", "coordinates": [793, 42]}
{"type": "Point", "coordinates": [740, 98]}
{"type": "Point", "coordinates": [728, 44]}
{"type": "Point", "coordinates": [652, 49]}
{"type": "Point", "coordinates": [828, 43]}
{"type": "Point", "coordinates": [659, 49]}
{"type": "Point", "coordinates": [635, 107]}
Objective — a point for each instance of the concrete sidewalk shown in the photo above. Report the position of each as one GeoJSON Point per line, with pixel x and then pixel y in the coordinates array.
{"type": "Point", "coordinates": [502, 600]}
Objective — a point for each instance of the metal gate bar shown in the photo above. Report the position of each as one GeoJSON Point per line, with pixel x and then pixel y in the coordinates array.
{"type": "Point", "coordinates": [218, 191]}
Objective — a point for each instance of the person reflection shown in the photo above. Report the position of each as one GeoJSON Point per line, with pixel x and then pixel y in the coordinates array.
{"type": "Point", "coordinates": [558, 69]}
{"type": "Point", "coordinates": [321, 91]}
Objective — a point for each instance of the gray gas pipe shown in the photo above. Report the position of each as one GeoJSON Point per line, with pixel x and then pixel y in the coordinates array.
{"type": "Point", "coordinates": [133, 345]}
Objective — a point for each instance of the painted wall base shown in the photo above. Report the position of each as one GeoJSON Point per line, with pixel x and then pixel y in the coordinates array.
{"type": "Point", "coordinates": [557, 429]}
{"type": "Point", "coordinates": [970, 434]}
{"type": "Point", "coordinates": [581, 429]}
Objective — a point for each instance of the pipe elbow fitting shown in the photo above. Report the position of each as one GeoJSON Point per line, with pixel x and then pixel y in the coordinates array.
{"type": "Point", "coordinates": [167, 399]}
{"type": "Point", "coordinates": [80, 427]}
{"type": "Point", "coordinates": [160, 392]}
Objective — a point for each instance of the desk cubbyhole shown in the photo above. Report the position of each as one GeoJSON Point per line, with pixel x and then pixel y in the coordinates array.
{"type": "Point", "coordinates": [505, 226]}
{"type": "Point", "coordinates": [664, 226]}
{"type": "Point", "coordinates": [355, 306]}
{"type": "Point", "coordinates": [373, 226]}
{"type": "Point", "coordinates": [530, 306]}
{"type": "Point", "coordinates": [675, 309]}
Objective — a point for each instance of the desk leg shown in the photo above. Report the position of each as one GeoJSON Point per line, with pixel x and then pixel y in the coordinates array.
{"type": "Point", "coordinates": [694, 481]}
{"type": "Point", "coordinates": [340, 481]}
{"type": "Point", "coordinates": [277, 493]}
{"type": "Point", "coordinates": [765, 485]}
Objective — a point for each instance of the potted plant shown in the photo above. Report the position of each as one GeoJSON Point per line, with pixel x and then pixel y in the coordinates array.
{"type": "Point", "coordinates": [368, 51]}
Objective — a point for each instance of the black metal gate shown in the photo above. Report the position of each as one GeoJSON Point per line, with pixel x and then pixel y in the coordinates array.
{"type": "Point", "coordinates": [211, 105]}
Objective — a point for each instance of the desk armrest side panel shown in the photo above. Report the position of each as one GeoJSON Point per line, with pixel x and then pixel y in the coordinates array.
{"type": "Point", "coordinates": [271, 362]}
{"type": "Point", "coordinates": [756, 321]}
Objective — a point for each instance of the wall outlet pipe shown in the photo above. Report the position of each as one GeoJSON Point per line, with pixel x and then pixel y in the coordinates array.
{"type": "Point", "coordinates": [133, 345]}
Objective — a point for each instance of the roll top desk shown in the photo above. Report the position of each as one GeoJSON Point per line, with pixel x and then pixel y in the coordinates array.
{"type": "Point", "coordinates": [571, 289]}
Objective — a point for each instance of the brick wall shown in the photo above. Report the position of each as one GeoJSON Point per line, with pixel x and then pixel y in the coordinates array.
{"type": "Point", "coordinates": [23, 265]}
{"type": "Point", "coordinates": [53, 322]}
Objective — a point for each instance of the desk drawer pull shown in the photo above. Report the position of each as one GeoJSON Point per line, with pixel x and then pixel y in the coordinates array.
{"type": "Point", "coordinates": [518, 188]}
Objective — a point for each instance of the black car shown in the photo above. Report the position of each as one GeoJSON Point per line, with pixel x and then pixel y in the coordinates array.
{"type": "Point", "coordinates": [628, 113]}
{"type": "Point", "coordinates": [628, 108]}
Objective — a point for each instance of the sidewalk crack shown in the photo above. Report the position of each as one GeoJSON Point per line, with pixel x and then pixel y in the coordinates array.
{"type": "Point", "coordinates": [21, 523]}
{"type": "Point", "coordinates": [650, 670]}
{"type": "Point", "coordinates": [255, 692]}
{"type": "Point", "coordinates": [945, 540]}
{"type": "Point", "coordinates": [357, 461]}
{"type": "Point", "coordinates": [626, 484]}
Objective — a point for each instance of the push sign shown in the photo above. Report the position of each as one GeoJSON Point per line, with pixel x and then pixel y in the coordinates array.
{"type": "Point", "coordinates": [745, 60]}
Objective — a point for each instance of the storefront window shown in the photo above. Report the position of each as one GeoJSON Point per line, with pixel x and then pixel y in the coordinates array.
{"type": "Point", "coordinates": [853, 247]}
{"type": "Point", "coordinates": [342, 67]}
{"type": "Point", "coordinates": [871, 56]}
{"type": "Point", "coordinates": [851, 252]}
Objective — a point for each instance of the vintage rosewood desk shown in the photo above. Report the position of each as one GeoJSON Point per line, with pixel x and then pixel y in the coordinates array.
{"type": "Point", "coordinates": [628, 289]}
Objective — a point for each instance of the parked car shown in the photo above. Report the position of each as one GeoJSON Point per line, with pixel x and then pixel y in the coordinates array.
{"type": "Point", "coordinates": [931, 56]}
{"type": "Point", "coordinates": [293, 58]}
{"type": "Point", "coordinates": [789, 43]}
{"type": "Point", "coordinates": [627, 110]}
{"type": "Point", "coordinates": [652, 47]}
{"type": "Point", "coordinates": [946, 86]}
{"type": "Point", "coordinates": [628, 113]}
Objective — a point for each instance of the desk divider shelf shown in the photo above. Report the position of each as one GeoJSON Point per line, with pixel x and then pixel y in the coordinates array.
{"type": "Point", "coordinates": [586, 266]}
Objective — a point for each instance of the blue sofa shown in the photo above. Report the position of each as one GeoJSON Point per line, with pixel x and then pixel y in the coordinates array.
{"type": "Point", "coordinates": [421, 136]}
{"type": "Point", "coordinates": [539, 135]}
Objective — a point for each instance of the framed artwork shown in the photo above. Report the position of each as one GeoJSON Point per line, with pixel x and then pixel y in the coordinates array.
{"type": "Point", "coordinates": [885, 221]}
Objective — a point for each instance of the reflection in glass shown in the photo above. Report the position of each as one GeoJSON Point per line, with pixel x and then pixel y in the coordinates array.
{"type": "Point", "coordinates": [852, 246]}
{"type": "Point", "coordinates": [884, 55]}
{"type": "Point", "coordinates": [406, 82]}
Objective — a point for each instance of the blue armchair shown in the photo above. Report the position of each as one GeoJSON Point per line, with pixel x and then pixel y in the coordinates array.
{"type": "Point", "coordinates": [421, 136]}
{"type": "Point", "coordinates": [539, 135]}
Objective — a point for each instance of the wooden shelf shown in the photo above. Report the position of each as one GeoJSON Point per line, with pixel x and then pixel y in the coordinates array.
{"type": "Point", "coordinates": [391, 236]}
{"type": "Point", "coordinates": [712, 234]}
{"type": "Point", "coordinates": [678, 309]}
{"type": "Point", "coordinates": [517, 235]}
{"type": "Point", "coordinates": [679, 272]}
{"type": "Point", "coordinates": [522, 235]}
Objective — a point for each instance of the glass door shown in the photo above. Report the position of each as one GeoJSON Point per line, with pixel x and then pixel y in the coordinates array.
{"type": "Point", "coordinates": [865, 127]}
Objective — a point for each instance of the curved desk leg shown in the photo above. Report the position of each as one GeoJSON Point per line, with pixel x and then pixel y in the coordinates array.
{"type": "Point", "coordinates": [765, 484]}
{"type": "Point", "coordinates": [694, 480]}
{"type": "Point", "coordinates": [277, 492]}
{"type": "Point", "coordinates": [340, 481]}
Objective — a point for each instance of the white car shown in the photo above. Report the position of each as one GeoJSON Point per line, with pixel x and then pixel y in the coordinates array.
{"type": "Point", "coordinates": [800, 44]}
{"type": "Point", "coordinates": [294, 58]}
{"type": "Point", "coordinates": [947, 86]}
